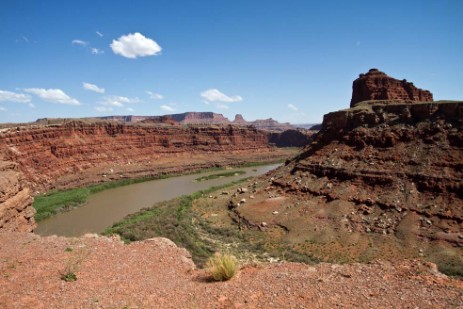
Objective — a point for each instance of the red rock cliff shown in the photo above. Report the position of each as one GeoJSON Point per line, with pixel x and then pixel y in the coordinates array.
{"type": "Point", "coordinates": [376, 85]}
{"type": "Point", "coordinates": [46, 152]}
{"type": "Point", "coordinates": [16, 211]}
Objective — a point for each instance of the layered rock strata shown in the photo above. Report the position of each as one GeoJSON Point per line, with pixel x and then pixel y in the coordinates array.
{"type": "Point", "coordinates": [376, 85]}
{"type": "Point", "coordinates": [378, 181]}
{"type": "Point", "coordinates": [45, 153]}
{"type": "Point", "coordinates": [76, 153]}
{"type": "Point", "coordinates": [16, 211]}
{"type": "Point", "coordinates": [200, 118]}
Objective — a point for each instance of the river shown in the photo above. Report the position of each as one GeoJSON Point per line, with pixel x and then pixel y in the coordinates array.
{"type": "Point", "coordinates": [107, 207]}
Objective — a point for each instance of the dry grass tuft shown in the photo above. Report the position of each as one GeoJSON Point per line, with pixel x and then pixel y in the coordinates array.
{"type": "Point", "coordinates": [222, 267]}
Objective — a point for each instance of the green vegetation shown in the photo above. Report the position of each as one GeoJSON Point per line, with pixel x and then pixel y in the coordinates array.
{"type": "Point", "coordinates": [69, 277]}
{"type": "Point", "coordinates": [175, 220]}
{"type": "Point", "coordinates": [73, 263]}
{"type": "Point", "coordinates": [219, 175]}
{"type": "Point", "coordinates": [222, 267]}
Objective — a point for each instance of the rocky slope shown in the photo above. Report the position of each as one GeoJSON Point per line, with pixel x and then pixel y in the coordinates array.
{"type": "Point", "coordinates": [380, 180]}
{"type": "Point", "coordinates": [156, 274]}
{"type": "Point", "coordinates": [376, 85]}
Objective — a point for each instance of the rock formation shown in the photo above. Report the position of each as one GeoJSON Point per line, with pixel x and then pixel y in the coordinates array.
{"type": "Point", "coordinates": [46, 152]}
{"type": "Point", "coordinates": [199, 118]}
{"type": "Point", "coordinates": [376, 85]}
{"type": "Point", "coordinates": [16, 211]}
{"type": "Point", "coordinates": [239, 120]}
{"type": "Point", "coordinates": [385, 177]}
{"type": "Point", "coordinates": [292, 138]}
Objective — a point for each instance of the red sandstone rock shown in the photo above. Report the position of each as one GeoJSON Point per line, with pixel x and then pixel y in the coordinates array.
{"type": "Point", "coordinates": [239, 120]}
{"type": "Point", "coordinates": [376, 85]}
{"type": "Point", "coordinates": [16, 211]}
{"type": "Point", "coordinates": [198, 118]}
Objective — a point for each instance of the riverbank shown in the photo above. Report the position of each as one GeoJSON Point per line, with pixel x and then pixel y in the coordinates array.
{"type": "Point", "coordinates": [57, 201]}
{"type": "Point", "coordinates": [104, 208]}
{"type": "Point", "coordinates": [175, 219]}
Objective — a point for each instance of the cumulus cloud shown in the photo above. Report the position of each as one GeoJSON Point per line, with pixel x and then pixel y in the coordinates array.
{"type": "Point", "coordinates": [92, 87]}
{"type": "Point", "coordinates": [118, 101]}
{"type": "Point", "coordinates": [53, 95]}
{"type": "Point", "coordinates": [96, 51]}
{"type": "Point", "coordinates": [167, 108]}
{"type": "Point", "coordinates": [8, 96]}
{"type": "Point", "coordinates": [214, 95]}
{"type": "Point", "coordinates": [154, 95]}
{"type": "Point", "coordinates": [135, 45]}
{"type": "Point", "coordinates": [79, 42]}
{"type": "Point", "coordinates": [294, 108]}
{"type": "Point", "coordinates": [129, 109]}
{"type": "Point", "coordinates": [99, 34]}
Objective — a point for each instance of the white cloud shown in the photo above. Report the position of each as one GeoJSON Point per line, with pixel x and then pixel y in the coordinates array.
{"type": "Point", "coordinates": [103, 109]}
{"type": "Point", "coordinates": [154, 95]}
{"type": "Point", "coordinates": [3, 109]}
{"type": "Point", "coordinates": [129, 109]}
{"type": "Point", "coordinates": [214, 95]}
{"type": "Point", "coordinates": [294, 108]}
{"type": "Point", "coordinates": [92, 87]}
{"type": "Point", "coordinates": [8, 96]}
{"type": "Point", "coordinates": [53, 95]}
{"type": "Point", "coordinates": [167, 108]}
{"type": "Point", "coordinates": [118, 101]}
{"type": "Point", "coordinates": [99, 34]}
{"type": "Point", "coordinates": [79, 42]}
{"type": "Point", "coordinates": [96, 51]}
{"type": "Point", "coordinates": [31, 105]}
{"type": "Point", "coordinates": [135, 45]}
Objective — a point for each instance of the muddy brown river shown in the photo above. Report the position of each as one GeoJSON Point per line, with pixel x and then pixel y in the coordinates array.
{"type": "Point", "coordinates": [107, 207]}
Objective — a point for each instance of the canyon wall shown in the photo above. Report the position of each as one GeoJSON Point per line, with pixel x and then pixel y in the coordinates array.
{"type": "Point", "coordinates": [74, 153]}
{"type": "Point", "coordinates": [16, 211]}
{"type": "Point", "coordinates": [383, 179]}
{"type": "Point", "coordinates": [44, 153]}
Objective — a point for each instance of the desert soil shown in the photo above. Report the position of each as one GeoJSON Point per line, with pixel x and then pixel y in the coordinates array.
{"type": "Point", "coordinates": [157, 274]}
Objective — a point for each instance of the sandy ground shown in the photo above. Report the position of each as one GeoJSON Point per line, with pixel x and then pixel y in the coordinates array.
{"type": "Point", "coordinates": [157, 274]}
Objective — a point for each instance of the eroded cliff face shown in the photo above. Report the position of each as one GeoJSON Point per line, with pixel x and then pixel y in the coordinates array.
{"type": "Point", "coordinates": [16, 211]}
{"type": "Point", "coordinates": [45, 153]}
{"type": "Point", "coordinates": [42, 157]}
{"type": "Point", "coordinates": [378, 181]}
{"type": "Point", "coordinates": [376, 85]}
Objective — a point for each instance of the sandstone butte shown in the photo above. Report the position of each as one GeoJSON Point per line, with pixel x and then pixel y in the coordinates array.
{"type": "Point", "coordinates": [376, 85]}
{"type": "Point", "coordinates": [391, 170]}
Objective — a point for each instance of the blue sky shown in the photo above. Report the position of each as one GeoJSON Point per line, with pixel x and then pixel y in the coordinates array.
{"type": "Point", "coordinates": [290, 60]}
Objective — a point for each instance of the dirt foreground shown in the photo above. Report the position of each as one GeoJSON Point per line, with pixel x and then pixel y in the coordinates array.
{"type": "Point", "coordinates": [157, 274]}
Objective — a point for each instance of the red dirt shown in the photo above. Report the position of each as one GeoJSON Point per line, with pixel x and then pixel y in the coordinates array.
{"type": "Point", "coordinates": [156, 274]}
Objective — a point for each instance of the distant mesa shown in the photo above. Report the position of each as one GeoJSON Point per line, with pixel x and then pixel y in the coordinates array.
{"type": "Point", "coordinates": [239, 119]}
{"type": "Point", "coordinates": [376, 85]}
{"type": "Point", "coordinates": [204, 118]}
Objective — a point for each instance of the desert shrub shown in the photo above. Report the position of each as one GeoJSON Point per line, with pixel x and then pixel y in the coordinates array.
{"type": "Point", "coordinates": [222, 267]}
